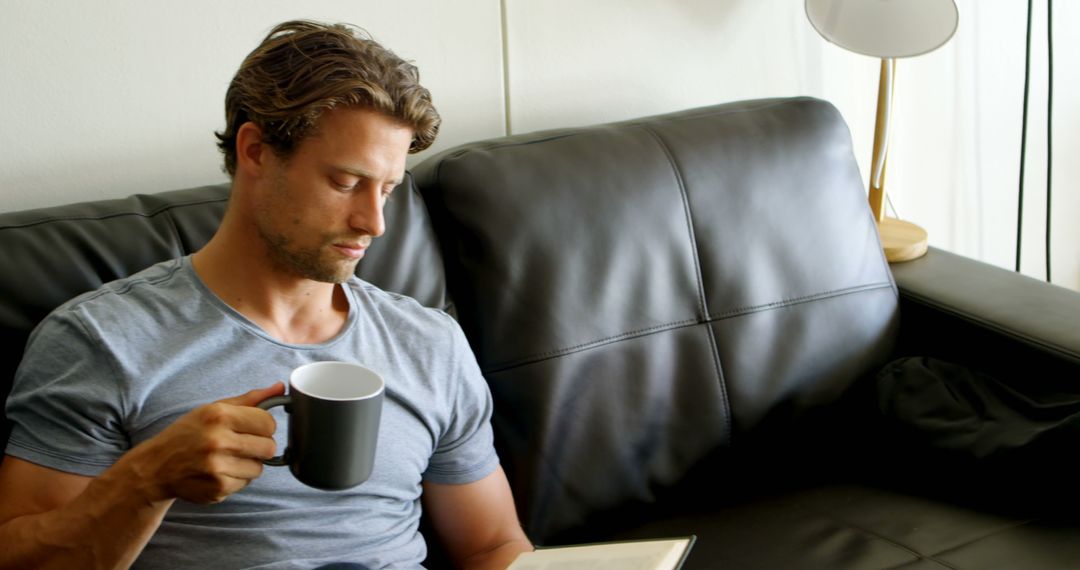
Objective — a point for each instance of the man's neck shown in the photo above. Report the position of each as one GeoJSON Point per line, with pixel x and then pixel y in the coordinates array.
{"type": "Point", "coordinates": [289, 308]}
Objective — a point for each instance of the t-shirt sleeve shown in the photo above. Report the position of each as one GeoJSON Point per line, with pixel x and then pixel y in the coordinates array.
{"type": "Point", "coordinates": [65, 406]}
{"type": "Point", "coordinates": [466, 450]}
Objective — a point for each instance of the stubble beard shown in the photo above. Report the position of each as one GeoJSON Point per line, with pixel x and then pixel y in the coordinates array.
{"type": "Point", "coordinates": [306, 263]}
{"type": "Point", "coordinates": [311, 263]}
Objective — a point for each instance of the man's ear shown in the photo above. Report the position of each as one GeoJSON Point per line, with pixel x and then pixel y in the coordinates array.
{"type": "Point", "coordinates": [250, 149]}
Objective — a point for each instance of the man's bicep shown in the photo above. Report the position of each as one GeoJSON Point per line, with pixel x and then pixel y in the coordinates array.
{"type": "Point", "coordinates": [28, 488]}
{"type": "Point", "coordinates": [473, 517]}
{"type": "Point", "coordinates": [66, 405]}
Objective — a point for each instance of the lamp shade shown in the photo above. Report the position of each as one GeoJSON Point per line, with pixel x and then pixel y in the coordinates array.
{"type": "Point", "coordinates": [884, 28]}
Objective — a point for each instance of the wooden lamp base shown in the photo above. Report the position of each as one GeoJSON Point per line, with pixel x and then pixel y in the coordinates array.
{"type": "Point", "coordinates": [902, 241]}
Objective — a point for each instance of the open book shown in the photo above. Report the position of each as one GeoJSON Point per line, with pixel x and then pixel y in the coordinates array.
{"type": "Point", "coordinates": [661, 554]}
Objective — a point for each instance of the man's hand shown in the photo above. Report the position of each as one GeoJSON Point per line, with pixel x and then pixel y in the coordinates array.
{"type": "Point", "coordinates": [49, 518]}
{"type": "Point", "coordinates": [208, 454]}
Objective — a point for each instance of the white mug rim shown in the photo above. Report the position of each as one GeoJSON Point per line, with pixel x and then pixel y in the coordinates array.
{"type": "Point", "coordinates": [293, 385]}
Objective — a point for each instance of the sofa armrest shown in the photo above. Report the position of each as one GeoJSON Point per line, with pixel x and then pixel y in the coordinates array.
{"type": "Point", "coordinates": [989, 318]}
{"type": "Point", "coordinates": [1025, 413]}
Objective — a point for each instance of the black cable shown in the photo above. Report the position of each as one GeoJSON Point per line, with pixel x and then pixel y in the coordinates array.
{"type": "Point", "coordinates": [1049, 120]}
{"type": "Point", "coordinates": [1023, 140]}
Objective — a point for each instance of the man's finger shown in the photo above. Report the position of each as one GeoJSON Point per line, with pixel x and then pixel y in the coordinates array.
{"type": "Point", "coordinates": [253, 397]}
{"type": "Point", "coordinates": [240, 468]}
{"type": "Point", "coordinates": [243, 419]}
{"type": "Point", "coordinates": [254, 446]}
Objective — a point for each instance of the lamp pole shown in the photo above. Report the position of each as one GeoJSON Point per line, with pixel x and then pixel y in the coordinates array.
{"type": "Point", "coordinates": [900, 28]}
{"type": "Point", "coordinates": [881, 138]}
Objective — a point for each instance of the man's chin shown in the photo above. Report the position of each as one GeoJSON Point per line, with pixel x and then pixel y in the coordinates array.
{"type": "Point", "coordinates": [325, 273]}
{"type": "Point", "coordinates": [342, 274]}
{"type": "Point", "coordinates": [337, 280]}
{"type": "Point", "coordinates": [331, 276]}
{"type": "Point", "coordinates": [325, 268]}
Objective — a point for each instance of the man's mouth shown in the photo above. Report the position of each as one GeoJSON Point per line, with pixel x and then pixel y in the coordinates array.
{"type": "Point", "coordinates": [353, 250]}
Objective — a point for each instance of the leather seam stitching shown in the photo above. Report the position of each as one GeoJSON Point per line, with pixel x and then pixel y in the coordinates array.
{"type": "Point", "coordinates": [162, 209]}
{"type": "Point", "coordinates": [860, 529]}
{"type": "Point", "coordinates": [550, 354]}
{"type": "Point", "coordinates": [703, 303]}
{"type": "Point", "coordinates": [1006, 528]}
{"type": "Point", "coordinates": [918, 555]}
{"type": "Point", "coordinates": [798, 300]}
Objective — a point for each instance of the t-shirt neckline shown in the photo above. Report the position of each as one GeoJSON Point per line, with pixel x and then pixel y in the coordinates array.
{"type": "Point", "coordinates": [239, 319]}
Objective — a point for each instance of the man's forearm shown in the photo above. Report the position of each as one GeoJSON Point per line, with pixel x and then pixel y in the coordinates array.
{"type": "Point", "coordinates": [498, 558]}
{"type": "Point", "coordinates": [106, 526]}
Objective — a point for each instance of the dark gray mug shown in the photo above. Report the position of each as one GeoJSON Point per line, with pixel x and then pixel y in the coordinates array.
{"type": "Point", "coordinates": [334, 411]}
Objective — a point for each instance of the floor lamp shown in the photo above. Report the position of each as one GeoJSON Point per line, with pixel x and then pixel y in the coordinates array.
{"type": "Point", "coordinates": [886, 29]}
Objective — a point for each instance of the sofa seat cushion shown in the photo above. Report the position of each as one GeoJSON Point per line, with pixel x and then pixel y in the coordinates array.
{"type": "Point", "coordinates": [847, 526]}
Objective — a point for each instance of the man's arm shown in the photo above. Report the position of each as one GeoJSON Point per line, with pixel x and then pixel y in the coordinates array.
{"type": "Point", "coordinates": [477, 522]}
{"type": "Point", "coordinates": [53, 519]}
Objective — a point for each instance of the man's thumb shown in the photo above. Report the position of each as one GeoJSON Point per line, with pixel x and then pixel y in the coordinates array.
{"type": "Point", "coordinates": [257, 395]}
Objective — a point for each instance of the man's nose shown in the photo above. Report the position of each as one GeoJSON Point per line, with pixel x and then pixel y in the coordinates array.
{"type": "Point", "coordinates": [367, 212]}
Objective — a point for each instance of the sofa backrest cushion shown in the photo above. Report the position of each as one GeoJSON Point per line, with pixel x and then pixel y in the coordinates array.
{"type": "Point", "coordinates": [640, 294]}
{"type": "Point", "coordinates": [50, 255]}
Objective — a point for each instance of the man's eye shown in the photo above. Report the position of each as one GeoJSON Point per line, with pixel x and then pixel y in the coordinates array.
{"type": "Point", "coordinates": [343, 186]}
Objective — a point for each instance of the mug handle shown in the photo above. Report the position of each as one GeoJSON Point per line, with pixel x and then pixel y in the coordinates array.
{"type": "Point", "coordinates": [266, 404]}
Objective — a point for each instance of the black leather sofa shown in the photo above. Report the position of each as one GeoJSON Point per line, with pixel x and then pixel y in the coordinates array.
{"type": "Point", "coordinates": [689, 328]}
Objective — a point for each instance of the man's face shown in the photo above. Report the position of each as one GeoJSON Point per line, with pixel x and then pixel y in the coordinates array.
{"type": "Point", "coordinates": [318, 211]}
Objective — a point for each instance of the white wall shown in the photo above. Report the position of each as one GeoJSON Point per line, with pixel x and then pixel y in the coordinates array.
{"type": "Point", "coordinates": [111, 97]}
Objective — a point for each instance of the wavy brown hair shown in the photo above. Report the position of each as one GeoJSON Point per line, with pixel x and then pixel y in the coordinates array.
{"type": "Point", "coordinates": [303, 69]}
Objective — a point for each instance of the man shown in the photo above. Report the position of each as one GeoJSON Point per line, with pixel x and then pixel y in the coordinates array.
{"type": "Point", "coordinates": [112, 460]}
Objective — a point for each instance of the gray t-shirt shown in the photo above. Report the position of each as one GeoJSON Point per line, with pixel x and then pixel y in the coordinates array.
{"type": "Point", "coordinates": [112, 368]}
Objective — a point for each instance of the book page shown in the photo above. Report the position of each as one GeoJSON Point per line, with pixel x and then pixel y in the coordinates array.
{"type": "Point", "coordinates": [640, 555]}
